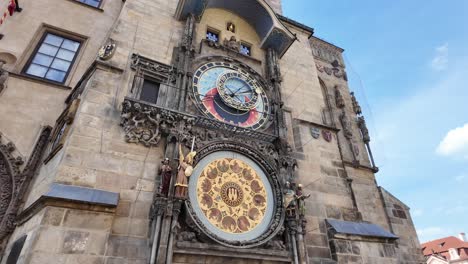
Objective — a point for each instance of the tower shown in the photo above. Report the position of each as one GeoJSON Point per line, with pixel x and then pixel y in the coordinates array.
{"type": "Point", "coordinates": [152, 131]}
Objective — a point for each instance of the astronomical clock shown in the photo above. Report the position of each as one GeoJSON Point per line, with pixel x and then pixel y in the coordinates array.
{"type": "Point", "coordinates": [230, 94]}
{"type": "Point", "coordinates": [233, 197]}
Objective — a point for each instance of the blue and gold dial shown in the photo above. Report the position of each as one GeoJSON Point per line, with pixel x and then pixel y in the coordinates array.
{"type": "Point", "coordinates": [228, 93]}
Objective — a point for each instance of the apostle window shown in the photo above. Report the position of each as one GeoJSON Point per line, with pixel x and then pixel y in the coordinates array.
{"type": "Point", "coordinates": [53, 58]}
{"type": "Point", "coordinates": [94, 3]}
{"type": "Point", "coordinates": [212, 35]}
{"type": "Point", "coordinates": [245, 49]}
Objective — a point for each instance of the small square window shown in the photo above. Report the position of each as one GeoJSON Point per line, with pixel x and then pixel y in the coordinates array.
{"type": "Point", "coordinates": [212, 35]}
{"type": "Point", "coordinates": [246, 49]}
{"type": "Point", "coordinates": [94, 3]}
{"type": "Point", "coordinates": [149, 91]}
{"type": "Point", "coordinates": [53, 58]}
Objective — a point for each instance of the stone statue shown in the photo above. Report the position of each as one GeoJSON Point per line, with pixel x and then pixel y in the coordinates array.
{"type": "Point", "coordinates": [3, 75]}
{"type": "Point", "coordinates": [340, 103]}
{"type": "Point", "coordinates": [289, 201]}
{"type": "Point", "coordinates": [364, 131]}
{"type": "Point", "coordinates": [184, 171]}
{"type": "Point", "coordinates": [232, 44]}
{"type": "Point", "coordinates": [346, 125]}
{"type": "Point", "coordinates": [300, 197]}
{"type": "Point", "coordinates": [356, 107]}
{"type": "Point", "coordinates": [165, 173]}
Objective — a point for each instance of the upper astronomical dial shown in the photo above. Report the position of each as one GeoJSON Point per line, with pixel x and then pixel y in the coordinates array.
{"type": "Point", "coordinates": [227, 92]}
{"type": "Point", "coordinates": [238, 90]}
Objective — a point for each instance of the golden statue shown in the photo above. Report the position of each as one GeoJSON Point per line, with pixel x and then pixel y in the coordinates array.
{"type": "Point", "coordinates": [185, 171]}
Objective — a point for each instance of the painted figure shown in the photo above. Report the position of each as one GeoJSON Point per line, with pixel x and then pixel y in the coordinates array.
{"type": "Point", "coordinates": [185, 170]}
{"type": "Point", "coordinates": [165, 173]}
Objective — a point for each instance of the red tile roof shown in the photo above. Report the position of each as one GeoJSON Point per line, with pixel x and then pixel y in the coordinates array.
{"type": "Point", "coordinates": [442, 245]}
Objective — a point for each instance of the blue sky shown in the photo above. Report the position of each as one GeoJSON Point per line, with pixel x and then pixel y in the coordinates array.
{"type": "Point", "coordinates": [407, 61]}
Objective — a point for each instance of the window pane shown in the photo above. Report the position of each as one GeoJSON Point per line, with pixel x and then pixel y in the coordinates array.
{"type": "Point", "coordinates": [149, 92]}
{"type": "Point", "coordinates": [55, 75]}
{"type": "Point", "coordinates": [48, 49]}
{"type": "Point", "coordinates": [61, 65]}
{"type": "Point", "coordinates": [70, 45]}
{"type": "Point", "coordinates": [42, 59]}
{"type": "Point", "coordinates": [53, 40]}
{"type": "Point", "coordinates": [91, 2]}
{"type": "Point", "coordinates": [65, 54]}
{"type": "Point", "coordinates": [36, 70]}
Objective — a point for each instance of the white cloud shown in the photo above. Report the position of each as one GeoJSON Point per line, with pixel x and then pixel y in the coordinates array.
{"type": "Point", "coordinates": [431, 233]}
{"type": "Point", "coordinates": [455, 143]}
{"type": "Point", "coordinates": [440, 60]}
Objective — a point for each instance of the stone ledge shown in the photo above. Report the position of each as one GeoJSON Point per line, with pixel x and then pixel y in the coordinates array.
{"type": "Point", "coordinates": [215, 250]}
{"type": "Point", "coordinates": [73, 197]}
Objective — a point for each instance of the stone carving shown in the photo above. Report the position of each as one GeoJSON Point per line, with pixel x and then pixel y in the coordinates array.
{"type": "Point", "coordinates": [184, 171]}
{"type": "Point", "coordinates": [165, 174]}
{"type": "Point", "coordinates": [232, 44]}
{"type": "Point", "coordinates": [231, 27]}
{"type": "Point", "coordinates": [346, 124]}
{"type": "Point", "coordinates": [142, 124]}
{"type": "Point", "coordinates": [162, 72]}
{"type": "Point", "coordinates": [13, 183]}
{"type": "Point", "coordinates": [337, 72]}
{"type": "Point", "coordinates": [356, 107]}
{"type": "Point", "coordinates": [326, 51]}
{"type": "Point", "coordinates": [187, 236]}
{"type": "Point", "coordinates": [340, 102]}
{"type": "Point", "coordinates": [146, 124]}
{"type": "Point", "coordinates": [364, 131]}
{"type": "Point", "coordinates": [107, 51]}
{"type": "Point", "coordinates": [3, 76]}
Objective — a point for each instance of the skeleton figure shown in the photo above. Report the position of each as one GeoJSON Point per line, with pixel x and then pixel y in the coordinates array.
{"type": "Point", "coordinates": [289, 201]}
{"type": "Point", "coordinates": [300, 197]}
{"type": "Point", "coordinates": [165, 173]}
{"type": "Point", "coordinates": [185, 171]}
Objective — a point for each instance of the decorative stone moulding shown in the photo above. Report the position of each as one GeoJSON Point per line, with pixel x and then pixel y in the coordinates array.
{"type": "Point", "coordinates": [146, 123]}
{"type": "Point", "coordinates": [273, 34]}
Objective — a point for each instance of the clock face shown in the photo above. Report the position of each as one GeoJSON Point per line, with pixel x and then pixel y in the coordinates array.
{"type": "Point", "coordinates": [228, 93]}
{"type": "Point", "coordinates": [232, 196]}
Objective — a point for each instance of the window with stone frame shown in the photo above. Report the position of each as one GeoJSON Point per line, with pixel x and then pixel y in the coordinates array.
{"type": "Point", "coordinates": [246, 49]}
{"type": "Point", "coordinates": [399, 211]}
{"type": "Point", "coordinates": [53, 57]}
{"type": "Point", "coordinates": [149, 91]}
{"type": "Point", "coordinates": [212, 35]}
{"type": "Point", "coordinates": [62, 128]}
{"type": "Point", "coordinates": [93, 3]}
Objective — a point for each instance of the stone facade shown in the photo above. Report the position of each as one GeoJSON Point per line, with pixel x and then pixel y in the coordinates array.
{"type": "Point", "coordinates": [88, 190]}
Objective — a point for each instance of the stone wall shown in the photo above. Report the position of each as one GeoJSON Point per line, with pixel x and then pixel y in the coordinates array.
{"type": "Point", "coordinates": [276, 5]}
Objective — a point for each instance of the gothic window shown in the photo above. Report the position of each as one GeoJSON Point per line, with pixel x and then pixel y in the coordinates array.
{"type": "Point", "coordinates": [53, 58]}
{"type": "Point", "coordinates": [212, 35]}
{"type": "Point", "coordinates": [245, 49]}
{"type": "Point", "coordinates": [95, 3]}
{"type": "Point", "coordinates": [149, 91]}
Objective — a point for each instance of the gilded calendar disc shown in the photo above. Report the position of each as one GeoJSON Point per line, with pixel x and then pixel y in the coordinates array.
{"type": "Point", "coordinates": [231, 196]}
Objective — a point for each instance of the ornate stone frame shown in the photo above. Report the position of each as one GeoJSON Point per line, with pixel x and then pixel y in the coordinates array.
{"type": "Point", "coordinates": [272, 174]}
